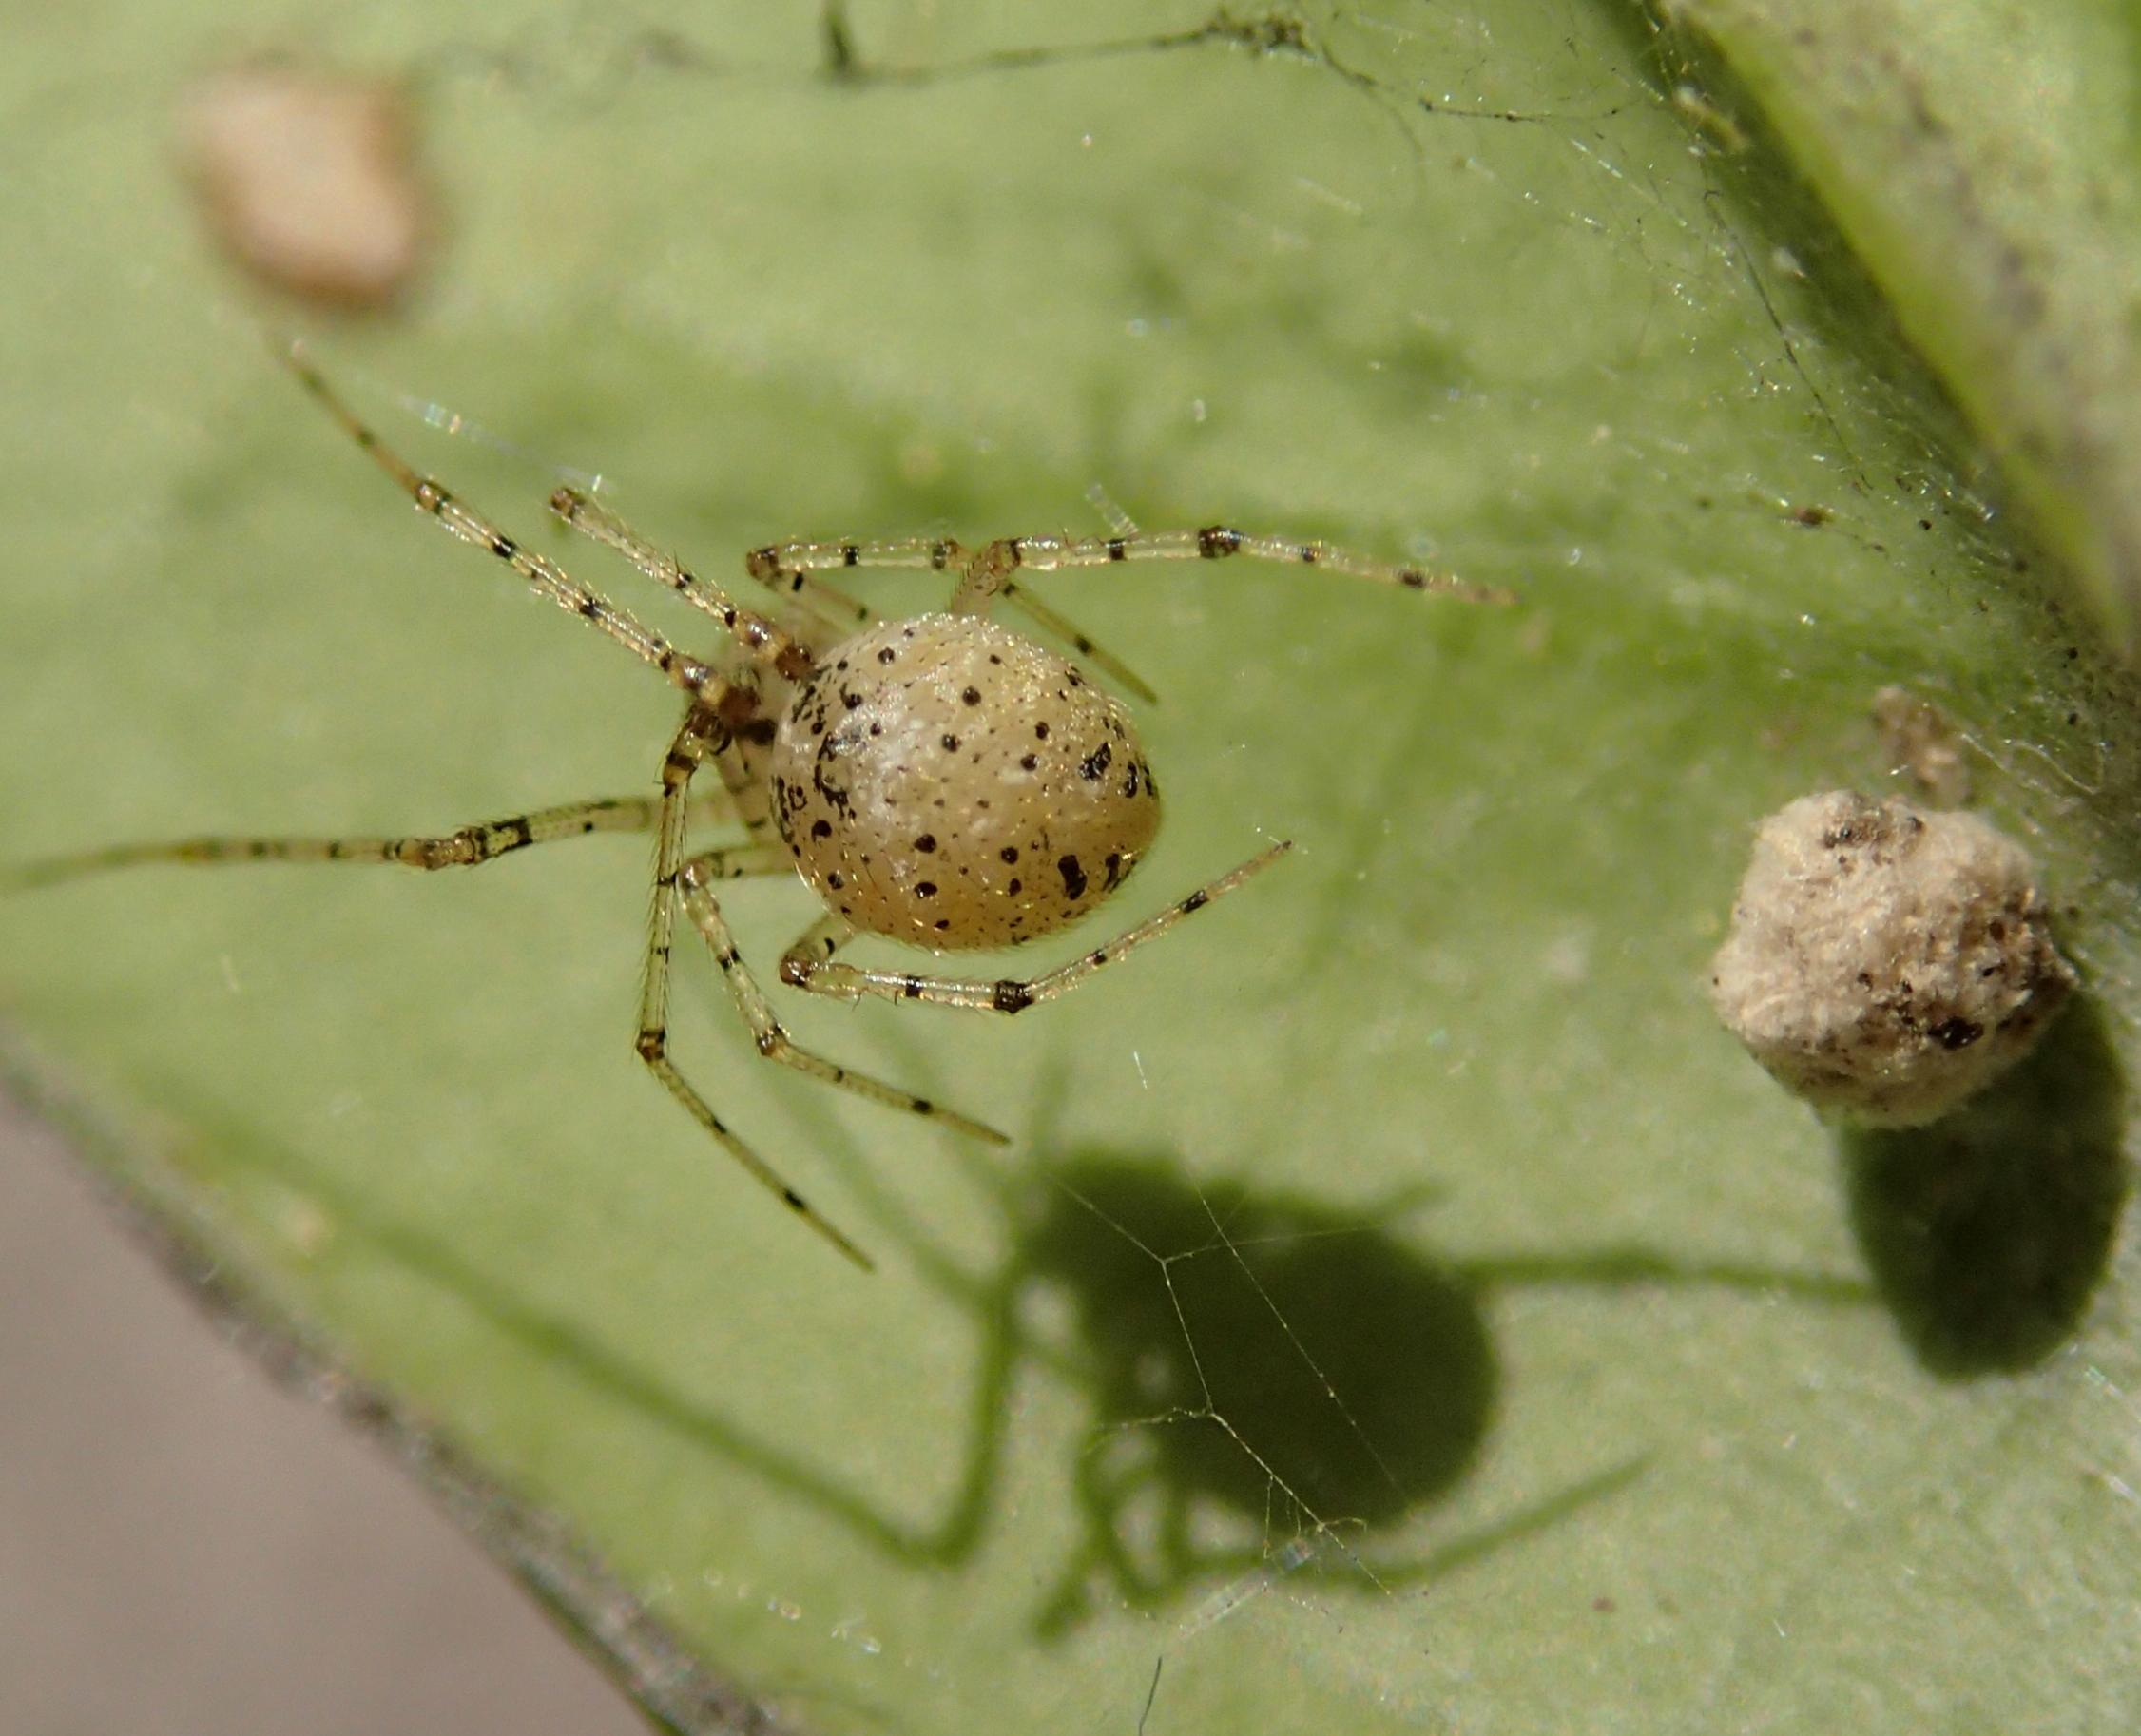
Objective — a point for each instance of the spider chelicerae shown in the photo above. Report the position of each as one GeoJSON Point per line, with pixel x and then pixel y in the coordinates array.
{"type": "Point", "coordinates": [939, 779]}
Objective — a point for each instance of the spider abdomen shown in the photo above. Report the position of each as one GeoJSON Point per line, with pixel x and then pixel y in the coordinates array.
{"type": "Point", "coordinates": [949, 783]}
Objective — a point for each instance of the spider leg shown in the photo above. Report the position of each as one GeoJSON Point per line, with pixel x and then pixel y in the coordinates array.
{"type": "Point", "coordinates": [1064, 631]}
{"type": "Point", "coordinates": [736, 862]}
{"type": "Point", "coordinates": [809, 963]}
{"type": "Point", "coordinates": [801, 582]}
{"type": "Point", "coordinates": [702, 736]}
{"type": "Point", "coordinates": [986, 574]}
{"type": "Point", "coordinates": [771, 1036]}
{"type": "Point", "coordinates": [816, 944]}
{"type": "Point", "coordinates": [466, 847]}
{"type": "Point", "coordinates": [791, 566]}
{"type": "Point", "coordinates": [748, 785]}
{"type": "Point", "coordinates": [546, 578]}
{"type": "Point", "coordinates": [757, 634]}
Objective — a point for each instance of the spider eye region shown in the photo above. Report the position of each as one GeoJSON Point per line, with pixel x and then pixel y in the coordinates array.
{"type": "Point", "coordinates": [949, 783]}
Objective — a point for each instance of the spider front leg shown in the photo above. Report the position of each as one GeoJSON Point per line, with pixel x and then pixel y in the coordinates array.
{"type": "Point", "coordinates": [793, 565]}
{"type": "Point", "coordinates": [466, 847]}
{"type": "Point", "coordinates": [702, 736]}
{"type": "Point", "coordinates": [754, 633]}
{"type": "Point", "coordinates": [545, 577]}
{"type": "Point", "coordinates": [809, 964]}
{"type": "Point", "coordinates": [987, 575]}
{"type": "Point", "coordinates": [773, 1040]}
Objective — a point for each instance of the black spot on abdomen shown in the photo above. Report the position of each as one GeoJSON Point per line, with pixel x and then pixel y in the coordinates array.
{"type": "Point", "coordinates": [1073, 877]}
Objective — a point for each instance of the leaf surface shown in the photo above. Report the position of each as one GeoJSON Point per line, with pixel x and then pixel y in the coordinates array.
{"type": "Point", "coordinates": [1403, 1307]}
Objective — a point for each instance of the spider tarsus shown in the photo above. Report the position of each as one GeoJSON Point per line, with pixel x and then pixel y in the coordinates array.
{"type": "Point", "coordinates": [854, 1254]}
{"type": "Point", "coordinates": [975, 1130]}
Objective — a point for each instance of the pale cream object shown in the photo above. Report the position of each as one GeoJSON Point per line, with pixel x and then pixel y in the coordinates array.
{"type": "Point", "coordinates": [310, 179]}
{"type": "Point", "coordinates": [1885, 962]}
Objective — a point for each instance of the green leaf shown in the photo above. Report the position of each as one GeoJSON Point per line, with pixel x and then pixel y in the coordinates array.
{"type": "Point", "coordinates": [1403, 1307]}
{"type": "Point", "coordinates": [1980, 161]}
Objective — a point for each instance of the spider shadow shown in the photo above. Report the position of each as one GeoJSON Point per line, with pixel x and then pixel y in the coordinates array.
{"type": "Point", "coordinates": [1273, 1387]}
{"type": "Point", "coordinates": [1988, 1231]}
{"type": "Point", "coordinates": [1257, 1371]}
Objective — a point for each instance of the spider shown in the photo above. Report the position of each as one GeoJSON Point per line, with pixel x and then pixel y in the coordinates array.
{"type": "Point", "coordinates": [940, 779]}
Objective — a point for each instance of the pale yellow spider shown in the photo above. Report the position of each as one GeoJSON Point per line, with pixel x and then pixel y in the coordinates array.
{"type": "Point", "coordinates": [941, 780]}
